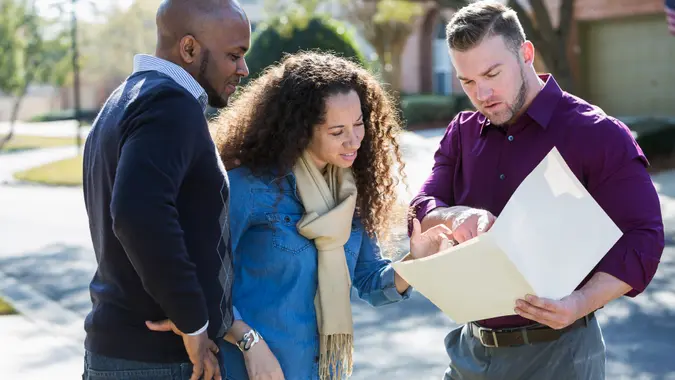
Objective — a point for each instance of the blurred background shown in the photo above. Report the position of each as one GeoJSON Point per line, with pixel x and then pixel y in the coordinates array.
{"type": "Point", "coordinates": [60, 59]}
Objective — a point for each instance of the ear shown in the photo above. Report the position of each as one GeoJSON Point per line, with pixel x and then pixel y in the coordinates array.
{"type": "Point", "coordinates": [189, 49]}
{"type": "Point", "coordinates": [527, 52]}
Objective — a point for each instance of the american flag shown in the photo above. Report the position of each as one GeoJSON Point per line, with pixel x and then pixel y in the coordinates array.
{"type": "Point", "coordinates": [670, 15]}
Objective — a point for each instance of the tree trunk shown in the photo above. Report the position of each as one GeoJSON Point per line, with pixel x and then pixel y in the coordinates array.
{"type": "Point", "coordinates": [396, 71]}
{"type": "Point", "coordinates": [14, 115]}
{"type": "Point", "coordinates": [551, 43]}
{"type": "Point", "coordinates": [562, 71]}
{"type": "Point", "coordinates": [381, 51]}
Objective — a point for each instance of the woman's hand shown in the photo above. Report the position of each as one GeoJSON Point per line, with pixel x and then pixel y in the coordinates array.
{"type": "Point", "coordinates": [261, 364]}
{"type": "Point", "coordinates": [432, 241]}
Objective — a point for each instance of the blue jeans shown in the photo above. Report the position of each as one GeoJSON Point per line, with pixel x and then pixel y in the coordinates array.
{"type": "Point", "coordinates": [98, 367]}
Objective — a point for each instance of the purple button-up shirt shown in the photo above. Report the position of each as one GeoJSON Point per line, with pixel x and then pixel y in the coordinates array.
{"type": "Point", "coordinates": [480, 165]}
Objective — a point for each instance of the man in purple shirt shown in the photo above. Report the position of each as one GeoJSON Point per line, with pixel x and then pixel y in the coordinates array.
{"type": "Point", "coordinates": [482, 159]}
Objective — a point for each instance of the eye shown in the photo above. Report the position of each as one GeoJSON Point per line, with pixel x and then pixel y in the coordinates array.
{"type": "Point", "coordinates": [337, 134]}
{"type": "Point", "coordinates": [492, 75]}
{"type": "Point", "coordinates": [468, 82]}
{"type": "Point", "coordinates": [234, 57]}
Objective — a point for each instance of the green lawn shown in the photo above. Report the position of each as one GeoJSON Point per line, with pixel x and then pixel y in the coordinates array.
{"type": "Point", "coordinates": [5, 308]}
{"type": "Point", "coordinates": [23, 142]}
{"type": "Point", "coordinates": [67, 172]}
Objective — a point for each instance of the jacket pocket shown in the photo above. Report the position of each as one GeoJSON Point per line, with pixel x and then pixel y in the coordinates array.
{"type": "Point", "coordinates": [285, 233]}
{"type": "Point", "coordinates": [353, 246]}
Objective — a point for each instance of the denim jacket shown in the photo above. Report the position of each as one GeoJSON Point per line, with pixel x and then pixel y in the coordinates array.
{"type": "Point", "coordinates": [276, 272]}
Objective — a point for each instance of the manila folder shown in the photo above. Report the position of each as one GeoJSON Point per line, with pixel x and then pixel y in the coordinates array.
{"type": "Point", "coordinates": [471, 281]}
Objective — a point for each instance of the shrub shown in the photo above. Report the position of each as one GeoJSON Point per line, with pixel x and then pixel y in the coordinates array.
{"type": "Point", "coordinates": [86, 115]}
{"type": "Point", "coordinates": [290, 35]}
{"type": "Point", "coordinates": [656, 136]}
{"type": "Point", "coordinates": [419, 109]}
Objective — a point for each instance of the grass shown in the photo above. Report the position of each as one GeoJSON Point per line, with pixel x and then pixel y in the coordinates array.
{"type": "Point", "coordinates": [5, 308]}
{"type": "Point", "coordinates": [24, 142]}
{"type": "Point", "coordinates": [67, 172]}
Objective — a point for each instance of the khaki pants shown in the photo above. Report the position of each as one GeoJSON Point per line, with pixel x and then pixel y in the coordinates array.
{"type": "Point", "coordinates": [577, 355]}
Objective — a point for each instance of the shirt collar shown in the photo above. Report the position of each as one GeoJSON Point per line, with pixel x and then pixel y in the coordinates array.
{"type": "Point", "coordinates": [144, 62]}
{"type": "Point", "coordinates": [542, 107]}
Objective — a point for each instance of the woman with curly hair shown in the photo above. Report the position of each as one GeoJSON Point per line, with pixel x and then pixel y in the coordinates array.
{"type": "Point", "coordinates": [314, 142]}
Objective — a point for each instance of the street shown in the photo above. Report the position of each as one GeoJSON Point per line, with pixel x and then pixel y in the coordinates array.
{"type": "Point", "coordinates": [46, 262]}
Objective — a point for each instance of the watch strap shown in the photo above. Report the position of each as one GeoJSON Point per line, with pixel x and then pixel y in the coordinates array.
{"type": "Point", "coordinates": [249, 340]}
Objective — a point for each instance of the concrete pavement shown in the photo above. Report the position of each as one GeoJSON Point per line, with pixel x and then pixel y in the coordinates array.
{"type": "Point", "coordinates": [66, 128]}
{"type": "Point", "coordinates": [46, 262]}
{"type": "Point", "coordinates": [31, 352]}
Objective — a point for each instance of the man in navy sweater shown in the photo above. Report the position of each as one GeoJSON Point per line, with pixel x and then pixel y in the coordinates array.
{"type": "Point", "coordinates": [157, 197]}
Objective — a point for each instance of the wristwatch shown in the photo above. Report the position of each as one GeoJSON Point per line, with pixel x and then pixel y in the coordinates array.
{"type": "Point", "coordinates": [249, 340]}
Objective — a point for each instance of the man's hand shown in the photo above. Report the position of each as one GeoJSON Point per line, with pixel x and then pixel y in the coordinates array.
{"type": "Point", "coordinates": [470, 223]}
{"type": "Point", "coordinates": [200, 349]}
{"type": "Point", "coordinates": [430, 242]}
{"type": "Point", "coordinates": [554, 314]}
{"type": "Point", "coordinates": [465, 222]}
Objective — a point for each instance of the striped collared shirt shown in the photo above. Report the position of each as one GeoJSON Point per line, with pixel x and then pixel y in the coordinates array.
{"type": "Point", "coordinates": [145, 62]}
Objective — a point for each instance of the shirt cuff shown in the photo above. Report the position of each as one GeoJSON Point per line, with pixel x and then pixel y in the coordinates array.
{"type": "Point", "coordinates": [237, 315]}
{"type": "Point", "coordinates": [629, 262]}
{"type": "Point", "coordinates": [200, 330]}
{"type": "Point", "coordinates": [389, 286]}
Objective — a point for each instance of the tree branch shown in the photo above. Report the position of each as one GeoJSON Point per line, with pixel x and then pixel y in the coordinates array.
{"type": "Point", "coordinates": [531, 32]}
{"type": "Point", "coordinates": [566, 18]}
{"type": "Point", "coordinates": [543, 21]}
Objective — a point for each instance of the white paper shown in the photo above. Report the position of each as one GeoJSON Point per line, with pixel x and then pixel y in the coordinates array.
{"type": "Point", "coordinates": [547, 239]}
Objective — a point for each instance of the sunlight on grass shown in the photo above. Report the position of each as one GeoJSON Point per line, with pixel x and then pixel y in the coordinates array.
{"type": "Point", "coordinates": [5, 308]}
{"type": "Point", "coordinates": [67, 172]}
{"type": "Point", "coordinates": [23, 142]}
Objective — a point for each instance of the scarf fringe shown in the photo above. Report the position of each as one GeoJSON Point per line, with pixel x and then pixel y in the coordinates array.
{"type": "Point", "coordinates": [335, 359]}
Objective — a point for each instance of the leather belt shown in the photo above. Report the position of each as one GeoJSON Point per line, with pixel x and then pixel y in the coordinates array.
{"type": "Point", "coordinates": [518, 336]}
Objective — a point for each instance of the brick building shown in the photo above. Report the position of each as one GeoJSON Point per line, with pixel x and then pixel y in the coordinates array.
{"type": "Point", "coordinates": [621, 53]}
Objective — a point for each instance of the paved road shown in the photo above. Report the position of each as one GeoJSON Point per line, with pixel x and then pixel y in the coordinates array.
{"type": "Point", "coordinates": [44, 243]}
{"type": "Point", "coordinates": [65, 128]}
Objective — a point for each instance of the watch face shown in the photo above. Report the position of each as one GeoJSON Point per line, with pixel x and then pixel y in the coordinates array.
{"type": "Point", "coordinates": [249, 339]}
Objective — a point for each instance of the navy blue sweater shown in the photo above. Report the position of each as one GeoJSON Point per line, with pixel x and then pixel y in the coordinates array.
{"type": "Point", "coordinates": [157, 199]}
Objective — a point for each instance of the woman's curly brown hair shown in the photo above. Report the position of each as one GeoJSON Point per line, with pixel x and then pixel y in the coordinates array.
{"type": "Point", "coordinates": [270, 123]}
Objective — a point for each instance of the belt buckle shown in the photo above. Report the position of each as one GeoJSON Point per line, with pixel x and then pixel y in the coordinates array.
{"type": "Point", "coordinates": [482, 329]}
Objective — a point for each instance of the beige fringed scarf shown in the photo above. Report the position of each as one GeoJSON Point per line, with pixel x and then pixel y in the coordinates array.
{"type": "Point", "coordinates": [329, 207]}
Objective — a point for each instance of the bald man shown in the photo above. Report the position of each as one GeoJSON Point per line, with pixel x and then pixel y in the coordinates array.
{"type": "Point", "coordinates": [157, 198]}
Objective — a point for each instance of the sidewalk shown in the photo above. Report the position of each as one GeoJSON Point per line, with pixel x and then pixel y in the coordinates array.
{"type": "Point", "coordinates": [30, 352]}
{"type": "Point", "coordinates": [65, 128]}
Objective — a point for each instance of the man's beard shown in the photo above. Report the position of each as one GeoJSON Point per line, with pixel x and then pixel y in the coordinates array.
{"type": "Point", "coordinates": [518, 102]}
{"type": "Point", "coordinates": [215, 99]}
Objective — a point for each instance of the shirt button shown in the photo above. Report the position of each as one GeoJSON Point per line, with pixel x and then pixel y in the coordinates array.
{"type": "Point", "coordinates": [510, 138]}
{"type": "Point", "coordinates": [502, 176]}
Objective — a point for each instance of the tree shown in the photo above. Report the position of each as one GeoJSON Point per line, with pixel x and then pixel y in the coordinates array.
{"type": "Point", "coordinates": [551, 42]}
{"type": "Point", "coordinates": [386, 25]}
{"type": "Point", "coordinates": [274, 39]}
{"type": "Point", "coordinates": [108, 48]}
{"type": "Point", "coordinates": [30, 56]}
{"type": "Point", "coordinates": [10, 23]}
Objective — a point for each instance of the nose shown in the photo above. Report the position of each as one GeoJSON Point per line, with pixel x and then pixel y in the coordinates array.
{"type": "Point", "coordinates": [354, 141]}
{"type": "Point", "coordinates": [483, 92]}
{"type": "Point", "coordinates": [242, 68]}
